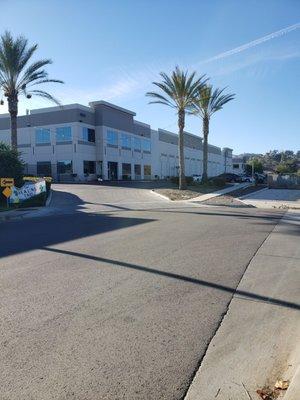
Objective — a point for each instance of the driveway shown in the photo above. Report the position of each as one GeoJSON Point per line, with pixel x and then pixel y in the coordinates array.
{"type": "Point", "coordinates": [271, 198]}
{"type": "Point", "coordinates": [118, 295]}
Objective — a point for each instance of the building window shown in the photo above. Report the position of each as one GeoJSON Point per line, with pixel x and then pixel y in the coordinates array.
{"type": "Point", "coordinates": [42, 136]}
{"type": "Point", "coordinates": [88, 134]}
{"type": "Point", "coordinates": [125, 141]}
{"type": "Point", "coordinates": [126, 171]}
{"type": "Point", "coordinates": [43, 168]}
{"type": "Point", "coordinates": [64, 134]}
{"type": "Point", "coordinates": [147, 171]}
{"type": "Point", "coordinates": [89, 167]}
{"type": "Point", "coordinates": [137, 171]}
{"type": "Point", "coordinates": [137, 144]}
{"type": "Point", "coordinates": [236, 166]}
{"type": "Point", "coordinates": [64, 167]}
{"type": "Point", "coordinates": [112, 138]}
{"type": "Point", "coordinates": [146, 144]}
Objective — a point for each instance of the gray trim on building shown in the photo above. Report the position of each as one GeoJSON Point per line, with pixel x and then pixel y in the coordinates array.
{"type": "Point", "coordinates": [191, 141]}
{"type": "Point", "coordinates": [42, 144]}
{"type": "Point", "coordinates": [141, 129]}
{"type": "Point", "coordinates": [61, 116]}
{"type": "Point", "coordinates": [214, 150]}
{"type": "Point", "coordinates": [113, 117]}
{"type": "Point", "coordinates": [66, 142]}
{"type": "Point", "coordinates": [85, 143]}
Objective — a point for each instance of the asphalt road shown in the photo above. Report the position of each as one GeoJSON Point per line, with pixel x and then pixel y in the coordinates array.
{"type": "Point", "coordinates": [118, 295]}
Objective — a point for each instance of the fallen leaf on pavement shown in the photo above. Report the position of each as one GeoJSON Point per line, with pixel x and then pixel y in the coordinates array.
{"type": "Point", "coordinates": [265, 394]}
{"type": "Point", "coordinates": [280, 384]}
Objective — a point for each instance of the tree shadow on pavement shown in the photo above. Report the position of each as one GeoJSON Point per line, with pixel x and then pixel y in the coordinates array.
{"type": "Point", "coordinates": [73, 223]}
{"type": "Point", "coordinates": [117, 263]}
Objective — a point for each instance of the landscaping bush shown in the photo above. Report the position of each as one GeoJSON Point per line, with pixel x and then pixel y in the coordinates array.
{"type": "Point", "coordinates": [217, 181]}
{"type": "Point", "coordinates": [36, 201]}
{"type": "Point", "coordinates": [175, 180]}
{"type": "Point", "coordinates": [10, 164]}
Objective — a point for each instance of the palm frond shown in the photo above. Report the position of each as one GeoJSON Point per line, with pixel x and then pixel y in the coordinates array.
{"type": "Point", "coordinates": [45, 95]}
{"type": "Point", "coordinates": [180, 89]}
{"type": "Point", "coordinates": [209, 101]}
{"type": "Point", "coordinates": [16, 77]}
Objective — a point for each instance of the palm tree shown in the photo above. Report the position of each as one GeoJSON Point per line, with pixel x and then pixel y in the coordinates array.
{"type": "Point", "coordinates": [17, 77]}
{"type": "Point", "coordinates": [179, 92]}
{"type": "Point", "coordinates": [207, 102]}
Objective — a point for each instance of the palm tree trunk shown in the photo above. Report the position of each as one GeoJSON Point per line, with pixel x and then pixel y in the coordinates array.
{"type": "Point", "coordinates": [13, 111]}
{"type": "Point", "coordinates": [205, 148]}
{"type": "Point", "coordinates": [181, 121]}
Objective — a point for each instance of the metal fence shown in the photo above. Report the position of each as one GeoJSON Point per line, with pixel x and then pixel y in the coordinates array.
{"type": "Point", "coordinates": [284, 181]}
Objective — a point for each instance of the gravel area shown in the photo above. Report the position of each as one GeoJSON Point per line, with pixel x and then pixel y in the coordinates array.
{"type": "Point", "coordinates": [225, 200]}
{"type": "Point", "coordinates": [190, 193]}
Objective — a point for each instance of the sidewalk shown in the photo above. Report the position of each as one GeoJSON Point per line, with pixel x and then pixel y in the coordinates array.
{"type": "Point", "coordinates": [256, 342]}
{"type": "Point", "coordinates": [211, 195]}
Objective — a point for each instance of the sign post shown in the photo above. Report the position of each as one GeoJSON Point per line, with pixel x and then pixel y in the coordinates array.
{"type": "Point", "coordinates": [7, 183]}
{"type": "Point", "coordinates": [7, 193]}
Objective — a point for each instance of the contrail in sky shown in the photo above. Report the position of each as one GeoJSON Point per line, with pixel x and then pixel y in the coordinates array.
{"type": "Point", "coordinates": [254, 43]}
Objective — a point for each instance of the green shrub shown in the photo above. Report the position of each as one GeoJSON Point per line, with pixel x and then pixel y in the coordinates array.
{"type": "Point", "coordinates": [287, 167]}
{"type": "Point", "coordinates": [10, 164]}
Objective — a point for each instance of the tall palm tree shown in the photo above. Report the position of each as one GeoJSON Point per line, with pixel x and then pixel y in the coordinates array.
{"type": "Point", "coordinates": [179, 92]}
{"type": "Point", "coordinates": [18, 78]}
{"type": "Point", "coordinates": [207, 102]}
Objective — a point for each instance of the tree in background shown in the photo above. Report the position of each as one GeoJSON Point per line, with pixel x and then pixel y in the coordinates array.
{"type": "Point", "coordinates": [256, 164]}
{"type": "Point", "coordinates": [207, 102]}
{"type": "Point", "coordinates": [18, 78]}
{"type": "Point", "coordinates": [178, 91]}
{"type": "Point", "coordinates": [287, 167]}
{"type": "Point", "coordinates": [10, 164]}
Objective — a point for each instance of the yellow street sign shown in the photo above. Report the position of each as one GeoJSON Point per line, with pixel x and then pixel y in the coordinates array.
{"type": "Point", "coordinates": [7, 182]}
{"type": "Point", "coordinates": [7, 192]}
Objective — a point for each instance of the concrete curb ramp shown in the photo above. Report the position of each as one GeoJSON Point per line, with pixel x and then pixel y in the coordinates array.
{"type": "Point", "coordinates": [256, 342]}
{"type": "Point", "coordinates": [211, 195]}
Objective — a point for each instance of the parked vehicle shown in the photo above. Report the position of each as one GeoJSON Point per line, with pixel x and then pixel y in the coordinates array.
{"type": "Point", "coordinates": [246, 178]}
{"type": "Point", "coordinates": [260, 178]}
{"type": "Point", "coordinates": [197, 178]}
{"type": "Point", "coordinates": [230, 177]}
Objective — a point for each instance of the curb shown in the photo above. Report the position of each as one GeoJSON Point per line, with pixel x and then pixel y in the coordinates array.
{"type": "Point", "coordinates": [238, 361]}
{"type": "Point", "coordinates": [294, 388]}
{"type": "Point", "coordinates": [48, 201]}
{"type": "Point", "coordinates": [161, 195]}
{"type": "Point", "coordinates": [208, 196]}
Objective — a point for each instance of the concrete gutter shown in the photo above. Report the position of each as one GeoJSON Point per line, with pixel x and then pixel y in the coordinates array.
{"type": "Point", "coordinates": [256, 341]}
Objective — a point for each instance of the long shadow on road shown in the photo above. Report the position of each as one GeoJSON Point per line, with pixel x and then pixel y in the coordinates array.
{"type": "Point", "coordinates": [117, 263]}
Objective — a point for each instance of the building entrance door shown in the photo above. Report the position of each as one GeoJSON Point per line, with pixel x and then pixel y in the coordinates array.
{"type": "Point", "coordinates": [112, 168]}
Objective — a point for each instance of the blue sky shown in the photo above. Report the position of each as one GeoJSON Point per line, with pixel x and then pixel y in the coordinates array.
{"type": "Point", "coordinates": [113, 50]}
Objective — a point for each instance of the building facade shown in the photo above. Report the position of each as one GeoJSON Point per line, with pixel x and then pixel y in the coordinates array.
{"type": "Point", "coordinates": [238, 165]}
{"type": "Point", "coordinates": [79, 143]}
